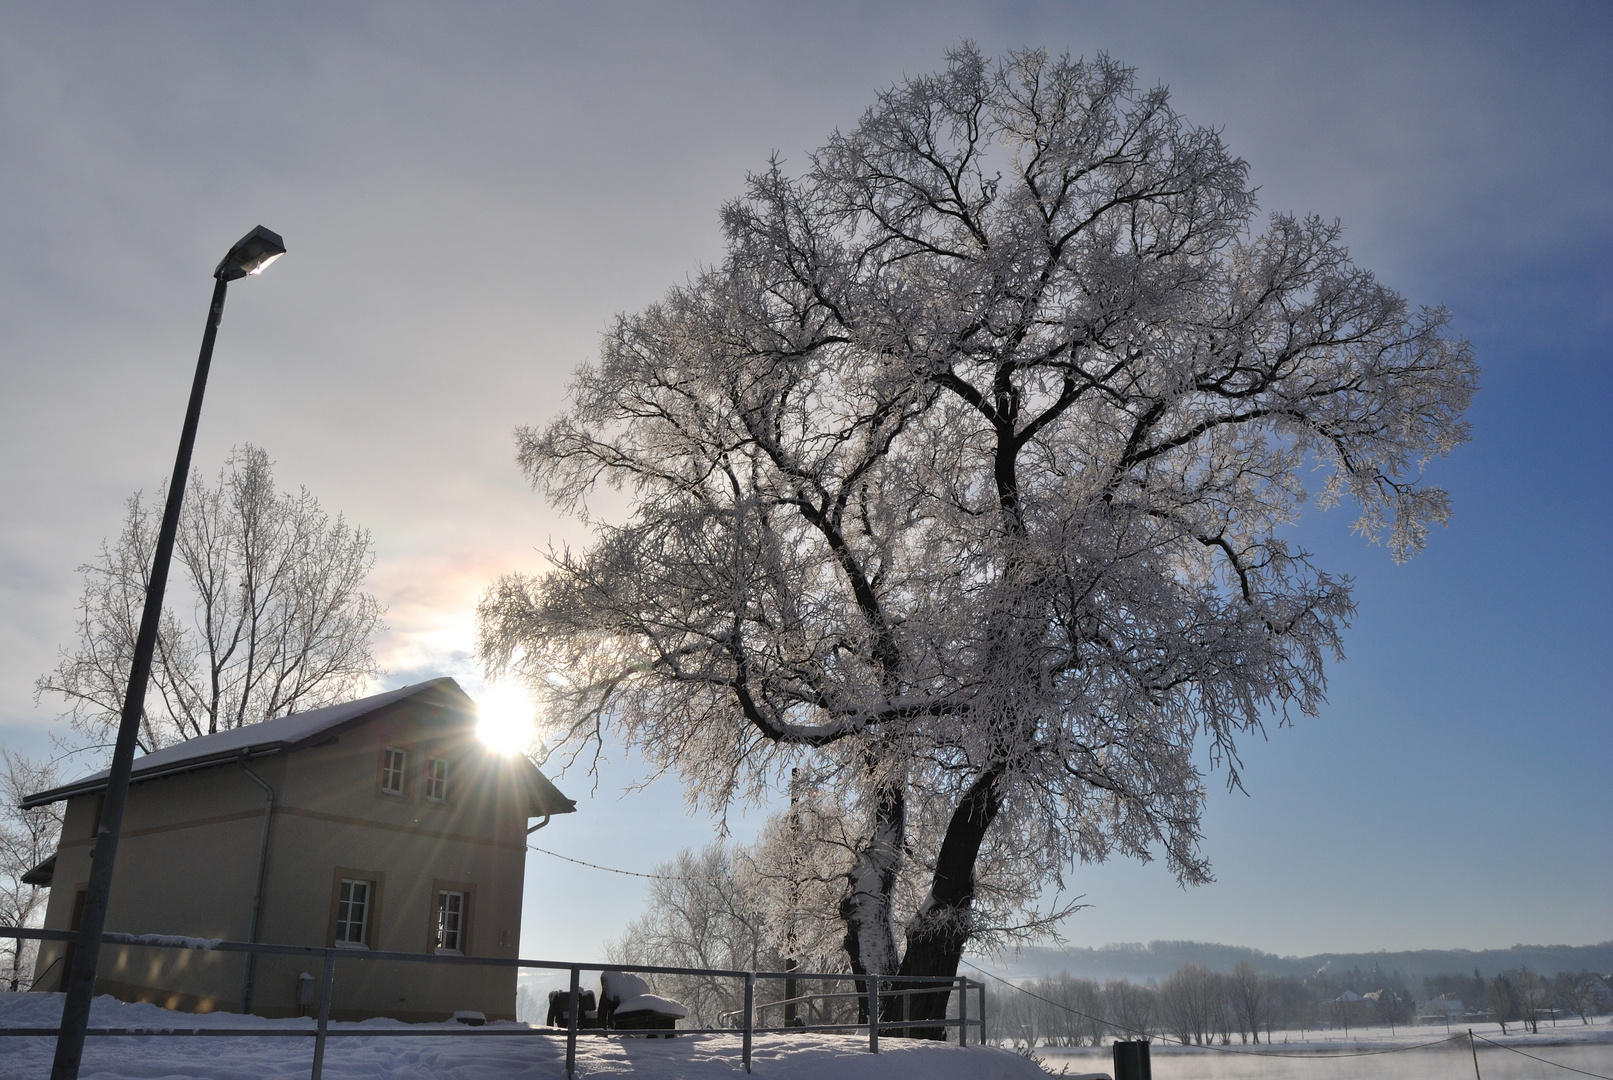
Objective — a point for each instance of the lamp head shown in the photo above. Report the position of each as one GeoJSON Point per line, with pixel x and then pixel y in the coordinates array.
{"type": "Point", "coordinates": [254, 251]}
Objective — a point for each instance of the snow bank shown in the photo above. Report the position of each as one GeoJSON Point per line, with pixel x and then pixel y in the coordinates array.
{"type": "Point", "coordinates": [481, 1054]}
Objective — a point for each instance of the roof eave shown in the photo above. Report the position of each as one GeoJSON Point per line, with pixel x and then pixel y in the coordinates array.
{"type": "Point", "coordinates": [89, 787]}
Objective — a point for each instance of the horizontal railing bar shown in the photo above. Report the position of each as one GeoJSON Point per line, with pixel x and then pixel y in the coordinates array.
{"type": "Point", "coordinates": [39, 933]}
{"type": "Point", "coordinates": [884, 1025]}
{"type": "Point", "coordinates": [273, 1033]}
{"type": "Point", "coordinates": [932, 983]}
{"type": "Point", "coordinates": [335, 1033]}
{"type": "Point", "coordinates": [846, 995]}
{"type": "Point", "coordinates": [454, 1032]}
{"type": "Point", "coordinates": [936, 983]}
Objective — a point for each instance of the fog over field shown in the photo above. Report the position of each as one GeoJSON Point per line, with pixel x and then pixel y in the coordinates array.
{"type": "Point", "coordinates": [1159, 959]}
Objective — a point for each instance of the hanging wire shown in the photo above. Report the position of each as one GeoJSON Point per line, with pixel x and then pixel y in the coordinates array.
{"type": "Point", "coordinates": [596, 866]}
{"type": "Point", "coordinates": [1543, 1061]}
{"type": "Point", "coordinates": [1222, 1049]}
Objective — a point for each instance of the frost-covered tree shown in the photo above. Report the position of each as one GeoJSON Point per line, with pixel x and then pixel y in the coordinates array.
{"type": "Point", "coordinates": [963, 478]}
{"type": "Point", "coordinates": [704, 911]}
{"type": "Point", "coordinates": [27, 838]}
{"type": "Point", "coordinates": [1194, 1003]}
{"type": "Point", "coordinates": [1572, 992]}
{"type": "Point", "coordinates": [278, 618]}
{"type": "Point", "coordinates": [1501, 998]}
{"type": "Point", "coordinates": [1250, 995]}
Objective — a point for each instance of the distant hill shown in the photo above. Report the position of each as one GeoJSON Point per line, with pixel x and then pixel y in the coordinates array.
{"type": "Point", "coordinates": [1159, 959]}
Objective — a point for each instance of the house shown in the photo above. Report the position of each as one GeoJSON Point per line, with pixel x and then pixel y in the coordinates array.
{"type": "Point", "coordinates": [380, 824]}
{"type": "Point", "coordinates": [1440, 1010]}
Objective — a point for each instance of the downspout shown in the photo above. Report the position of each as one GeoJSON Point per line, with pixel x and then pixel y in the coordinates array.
{"type": "Point", "coordinates": [539, 825]}
{"type": "Point", "coordinates": [257, 899]}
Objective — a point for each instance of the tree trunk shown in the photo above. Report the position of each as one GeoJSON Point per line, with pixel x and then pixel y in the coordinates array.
{"type": "Point", "coordinates": [938, 934]}
{"type": "Point", "coordinates": [870, 940]}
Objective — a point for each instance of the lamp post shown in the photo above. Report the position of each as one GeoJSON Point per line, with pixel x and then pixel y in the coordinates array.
{"type": "Point", "coordinates": [251, 254]}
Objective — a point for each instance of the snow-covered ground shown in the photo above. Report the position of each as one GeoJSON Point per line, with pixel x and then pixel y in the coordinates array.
{"type": "Point", "coordinates": [1405, 1053]}
{"type": "Point", "coordinates": [690, 1056]}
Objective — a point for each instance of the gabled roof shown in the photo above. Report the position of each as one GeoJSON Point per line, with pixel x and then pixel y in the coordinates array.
{"type": "Point", "coordinates": [294, 732]}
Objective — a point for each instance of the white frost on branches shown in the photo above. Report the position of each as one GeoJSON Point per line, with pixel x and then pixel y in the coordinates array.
{"type": "Point", "coordinates": [964, 477]}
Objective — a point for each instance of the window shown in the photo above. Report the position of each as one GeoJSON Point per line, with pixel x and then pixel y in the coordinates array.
{"type": "Point", "coordinates": [450, 921]}
{"type": "Point", "coordinates": [353, 913]}
{"type": "Point", "coordinates": [436, 785]}
{"type": "Point", "coordinates": [393, 762]}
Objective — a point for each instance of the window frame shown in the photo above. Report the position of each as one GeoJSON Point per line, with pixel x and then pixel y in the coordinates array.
{"type": "Point", "coordinates": [447, 898]}
{"type": "Point", "coordinates": [402, 790]}
{"type": "Point", "coordinates": [428, 779]}
{"type": "Point", "coordinates": [466, 890]}
{"type": "Point", "coordinates": [344, 919]}
{"type": "Point", "coordinates": [372, 913]}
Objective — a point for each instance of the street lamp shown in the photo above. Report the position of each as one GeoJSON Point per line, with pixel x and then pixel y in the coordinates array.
{"type": "Point", "coordinates": [250, 255]}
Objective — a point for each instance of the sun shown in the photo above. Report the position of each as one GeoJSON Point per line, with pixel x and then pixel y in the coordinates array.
{"type": "Point", "coordinates": [505, 718]}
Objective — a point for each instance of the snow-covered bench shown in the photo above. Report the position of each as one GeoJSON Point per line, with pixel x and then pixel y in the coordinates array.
{"type": "Point", "coordinates": [626, 1004]}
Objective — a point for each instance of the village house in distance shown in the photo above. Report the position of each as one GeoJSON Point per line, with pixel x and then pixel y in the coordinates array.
{"type": "Point", "coordinates": [380, 824]}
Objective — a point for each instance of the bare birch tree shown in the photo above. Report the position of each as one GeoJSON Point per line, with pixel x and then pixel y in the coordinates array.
{"type": "Point", "coordinates": [278, 619]}
{"type": "Point", "coordinates": [962, 479]}
{"type": "Point", "coordinates": [27, 838]}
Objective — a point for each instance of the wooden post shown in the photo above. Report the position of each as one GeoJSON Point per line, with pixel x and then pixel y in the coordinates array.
{"type": "Point", "coordinates": [963, 1010]}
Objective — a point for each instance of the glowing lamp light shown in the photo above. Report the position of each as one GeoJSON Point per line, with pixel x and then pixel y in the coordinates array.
{"type": "Point", "coordinates": [251, 254]}
{"type": "Point", "coordinates": [504, 719]}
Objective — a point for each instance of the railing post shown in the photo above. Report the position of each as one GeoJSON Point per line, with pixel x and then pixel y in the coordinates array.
{"type": "Point", "coordinates": [750, 1015]}
{"type": "Point", "coordinates": [982, 1039]}
{"type": "Point", "coordinates": [571, 1027]}
{"type": "Point", "coordinates": [873, 1014]}
{"type": "Point", "coordinates": [963, 1010]}
{"type": "Point", "coordinates": [326, 981]}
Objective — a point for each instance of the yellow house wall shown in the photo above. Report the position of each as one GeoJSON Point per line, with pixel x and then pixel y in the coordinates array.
{"type": "Point", "coordinates": [188, 861]}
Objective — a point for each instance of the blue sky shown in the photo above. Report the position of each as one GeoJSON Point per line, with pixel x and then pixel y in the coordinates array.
{"type": "Point", "coordinates": [470, 192]}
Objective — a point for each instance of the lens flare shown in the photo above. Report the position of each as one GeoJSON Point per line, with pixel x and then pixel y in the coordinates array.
{"type": "Point", "coordinates": [504, 718]}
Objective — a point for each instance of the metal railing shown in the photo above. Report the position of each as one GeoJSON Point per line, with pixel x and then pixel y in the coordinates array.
{"type": "Point", "coordinates": [871, 993]}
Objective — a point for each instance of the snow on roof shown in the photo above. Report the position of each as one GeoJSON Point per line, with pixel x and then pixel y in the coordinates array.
{"type": "Point", "coordinates": [252, 740]}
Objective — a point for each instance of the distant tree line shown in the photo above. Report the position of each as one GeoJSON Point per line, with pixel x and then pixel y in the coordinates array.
{"type": "Point", "coordinates": [764, 905]}
{"type": "Point", "coordinates": [1197, 1006]}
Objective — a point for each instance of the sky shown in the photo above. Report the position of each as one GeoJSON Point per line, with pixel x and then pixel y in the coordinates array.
{"type": "Point", "coordinates": [470, 192]}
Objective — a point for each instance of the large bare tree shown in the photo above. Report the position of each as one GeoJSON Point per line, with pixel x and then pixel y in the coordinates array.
{"type": "Point", "coordinates": [965, 480]}
{"type": "Point", "coordinates": [278, 619]}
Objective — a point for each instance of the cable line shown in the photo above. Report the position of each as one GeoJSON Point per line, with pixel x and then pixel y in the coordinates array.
{"type": "Point", "coordinates": [596, 866]}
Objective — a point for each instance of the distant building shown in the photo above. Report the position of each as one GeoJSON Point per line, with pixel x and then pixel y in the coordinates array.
{"type": "Point", "coordinates": [382, 824]}
{"type": "Point", "coordinates": [1440, 1010]}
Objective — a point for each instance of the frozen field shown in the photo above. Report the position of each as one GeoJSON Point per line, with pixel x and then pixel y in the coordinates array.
{"type": "Point", "coordinates": [695, 1055]}
{"type": "Point", "coordinates": [691, 1056]}
{"type": "Point", "coordinates": [1379, 1055]}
